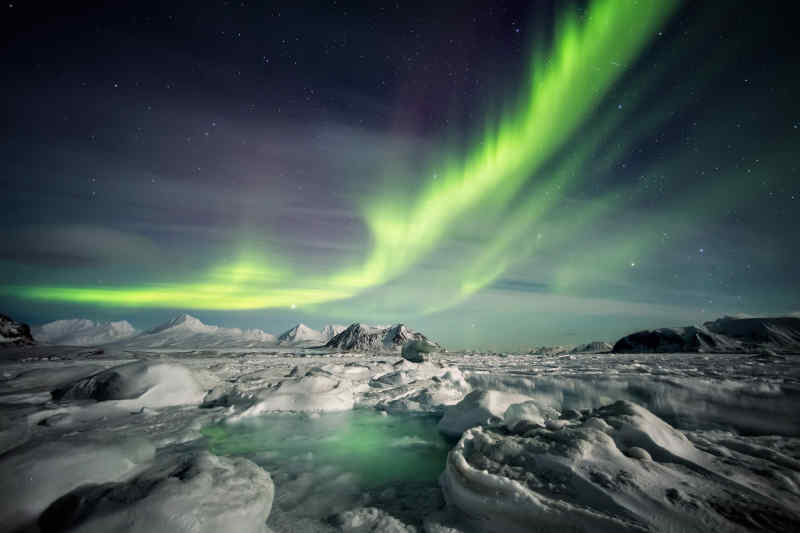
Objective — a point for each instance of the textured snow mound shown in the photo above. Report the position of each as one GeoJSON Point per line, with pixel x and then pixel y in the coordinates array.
{"type": "Point", "coordinates": [369, 520]}
{"type": "Point", "coordinates": [189, 333]}
{"type": "Point", "coordinates": [316, 391]}
{"type": "Point", "coordinates": [142, 383]}
{"type": "Point", "coordinates": [416, 351]}
{"type": "Point", "coordinates": [82, 332]}
{"type": "Point", "coordinates": [725, 335]}
{"type": "Point", "coordinates": [479, 407]}
{"type": "Point", "coordinates": [14, 332]}
{"type": "Point", "coordinates": [193, 493]}
{"type": "Point", "coordinates": [617, 468]}
{"type": "Point", "coordinates": [360, 337]}
{"type": "Point", "coordinates": [425, 387]}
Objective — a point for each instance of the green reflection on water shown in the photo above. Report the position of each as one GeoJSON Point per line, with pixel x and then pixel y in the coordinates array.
{"type": "Point", "coordinates": [376, 448]}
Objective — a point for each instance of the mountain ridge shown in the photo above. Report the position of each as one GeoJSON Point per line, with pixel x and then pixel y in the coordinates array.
{"type": "Point", "coordinates": [82, 332]}
{"type": "Point", "coordinates": [13, 332]}
{"type": "Point", "coordinates": [723, 335]}
{"type": "Point", "coordinates": [361, 337]}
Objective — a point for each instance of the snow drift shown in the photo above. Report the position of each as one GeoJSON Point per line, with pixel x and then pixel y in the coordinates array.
{"type": "Point", "coordinates": [618, 468]}
{"type": "Point", "coordinates": [479, 407]}
{"type": "Point", "coordinates": [417, 351]}
{"type": "Point", "coordinates": [195, 492]}
{"type": "Point", "coordinates": [316, 390]}
{"type": "Point", "coordinates": [141, 383]}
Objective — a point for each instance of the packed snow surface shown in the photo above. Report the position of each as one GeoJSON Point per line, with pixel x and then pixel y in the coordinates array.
{"type": "Point", "coordinates": [244, 437]}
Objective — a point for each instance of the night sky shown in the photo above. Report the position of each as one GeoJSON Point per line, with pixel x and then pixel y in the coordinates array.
{"type": "Point", "coordinates": [496, 175]}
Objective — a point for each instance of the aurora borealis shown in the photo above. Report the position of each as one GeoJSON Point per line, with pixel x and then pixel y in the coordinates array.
{"type": "Point", "coordinates": [501, 176]}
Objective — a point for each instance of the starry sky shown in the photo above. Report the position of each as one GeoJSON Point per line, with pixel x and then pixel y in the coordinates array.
{"type": "Point", "coordinates": [501, 175]}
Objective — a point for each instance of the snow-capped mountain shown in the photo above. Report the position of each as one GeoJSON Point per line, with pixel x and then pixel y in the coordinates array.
{"type": "Point", "coordinates": [82, 332]}
{"type": "Point", "coordinates": [360, 337]}
{"type": "Point", "coordinates": [329, 331]}
{"type": "Point", "coordinates": [300, 334]}
{"type": "Point", "coordinates": [183, 322]}
{"type": "Point", "coordinates": [592, 347]}
{"type": "Point", "coordinates": [558, 349]}
{"type": "Point", "coordinates": [14, 332]}
{"type": "Point", "coordinates": [562, 349]}
{"type": "Point", "coordinates": [725, 335]}
{"type": "Point", "coordinates": [187, 332]}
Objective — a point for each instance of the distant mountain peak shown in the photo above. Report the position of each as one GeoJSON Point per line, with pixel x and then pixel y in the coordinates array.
{"type": "Point", "coordinates": [329, 331]}
{"type": "Point", "coordinates": [187, 332]}
{"type": "Point", "coordinates": [83, 332]}
{"type": "Point", "coordinates": [300, 333]}
{"type": "Point", "coordinates": [362, 337]}
{"type": "Point", "coordinates": [724, 335]}
{"type": "Point", "coordinates": [13, 332]}
{"type": "Point", "coordinates": [184, 321]}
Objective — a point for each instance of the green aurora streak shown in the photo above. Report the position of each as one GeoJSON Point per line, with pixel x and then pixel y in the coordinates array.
{"type": "Point", "coordinates": [510, 179]}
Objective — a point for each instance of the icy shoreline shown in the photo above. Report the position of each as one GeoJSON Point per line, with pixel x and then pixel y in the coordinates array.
{"type": "Point", "coordinates": [698, 440]}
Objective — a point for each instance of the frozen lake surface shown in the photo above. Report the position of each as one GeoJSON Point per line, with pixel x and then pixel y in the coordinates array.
{"type": "Point", "coordinates": [324, 464]}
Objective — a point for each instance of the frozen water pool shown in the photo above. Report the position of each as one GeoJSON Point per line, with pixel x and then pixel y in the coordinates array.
{"type": "Point", "coordinates": [325, 464]}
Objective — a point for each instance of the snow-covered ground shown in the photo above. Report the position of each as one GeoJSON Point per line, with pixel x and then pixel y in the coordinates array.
{"type": "Point", "coordinates": [128, 439]}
